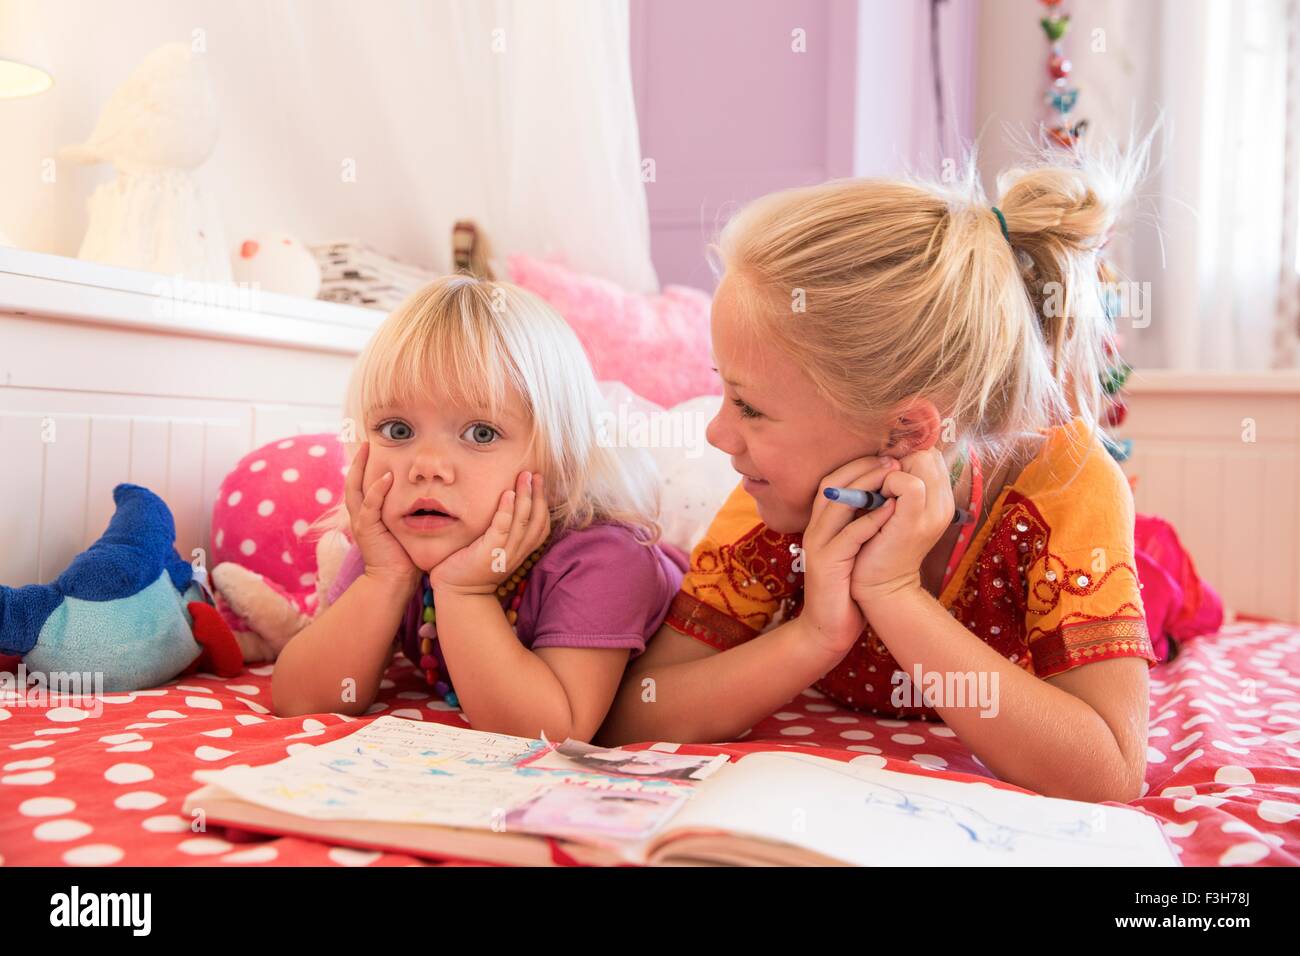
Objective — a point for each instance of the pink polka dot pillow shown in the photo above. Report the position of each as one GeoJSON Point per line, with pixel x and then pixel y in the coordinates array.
{"type": "Point", "coordinates": [658, 345]}
{"type": "Point", "coordinates": [268, 501]}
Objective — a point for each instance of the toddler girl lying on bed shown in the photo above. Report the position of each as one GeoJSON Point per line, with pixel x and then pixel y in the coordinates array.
{"type": "Point", "coordinates": [508, 548]}
{"type": "Point", "coordinates": [917, 341]}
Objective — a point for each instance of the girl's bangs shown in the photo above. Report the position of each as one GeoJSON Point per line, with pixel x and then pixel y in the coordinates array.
{"type": "Point", "coordinates": [440, 355]}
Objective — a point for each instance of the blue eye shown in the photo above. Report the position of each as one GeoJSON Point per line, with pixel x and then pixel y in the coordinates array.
{"type": "Point", "coordinates": [397, 422]}
{"type": "Point", "coordinates": [481, 433]}
{"type": "Point", "coordinates": [745, 410]}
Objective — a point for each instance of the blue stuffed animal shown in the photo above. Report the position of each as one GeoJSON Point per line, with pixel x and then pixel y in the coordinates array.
{"type": "Point", "coordinates": [128, 607]}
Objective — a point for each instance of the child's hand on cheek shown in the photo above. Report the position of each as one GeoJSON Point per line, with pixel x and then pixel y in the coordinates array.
{"type": "Point", "coordinates": [832, 541]}
{"type": "Point", "coordinates": [918, 514]}
{"type": "Point", "coordinates": [383, 554]}
{"type": "Point", "coordinates": [521, 524]}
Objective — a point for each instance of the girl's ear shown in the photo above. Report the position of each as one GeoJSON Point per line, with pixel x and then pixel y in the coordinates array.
{"type": "Point", "coordinates": [916, 428]}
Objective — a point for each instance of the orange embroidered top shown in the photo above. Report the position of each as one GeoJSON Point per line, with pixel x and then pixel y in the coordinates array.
{"type": "Point", "coordinates": [1049, 581]}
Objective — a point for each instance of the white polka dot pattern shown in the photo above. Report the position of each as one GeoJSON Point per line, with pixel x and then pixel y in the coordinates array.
{"type": "Point", "coordinates": [81, 801]}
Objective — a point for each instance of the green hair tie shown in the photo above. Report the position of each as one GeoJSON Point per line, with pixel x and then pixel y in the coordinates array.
{"type": "Point", "coordinates": [1002, 221]}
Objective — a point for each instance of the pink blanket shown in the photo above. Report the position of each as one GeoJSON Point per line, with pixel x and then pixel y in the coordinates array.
{"type": "Point", "coordinates": [1223, 773]}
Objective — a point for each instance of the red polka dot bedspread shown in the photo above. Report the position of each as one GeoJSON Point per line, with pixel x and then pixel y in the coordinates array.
{"type": "Point", "coordinates": [85, 789]}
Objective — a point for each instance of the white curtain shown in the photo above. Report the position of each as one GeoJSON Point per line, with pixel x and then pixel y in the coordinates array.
{"type": "Point", "coordinates": [380, 121]}
{"type": "Point", "coordinates": [1286, 347]}
{"type": "Point", "coordinates": [1222, 186]}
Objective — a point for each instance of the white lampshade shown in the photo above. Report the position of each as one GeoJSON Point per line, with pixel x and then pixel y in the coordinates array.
{"type": "Point", "coordinates": [19, 79]}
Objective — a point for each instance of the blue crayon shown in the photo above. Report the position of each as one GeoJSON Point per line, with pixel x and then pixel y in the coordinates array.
{"type": "Point", "coordinates": [866, 500]}
{"type": "Point", "coordinates": [871, 500]}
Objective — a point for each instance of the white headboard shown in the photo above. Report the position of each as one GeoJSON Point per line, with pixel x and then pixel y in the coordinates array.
{"type": "Point", "coordinates": [1218, 456]}
{"type": "Point", "coordinates": [110, 375]}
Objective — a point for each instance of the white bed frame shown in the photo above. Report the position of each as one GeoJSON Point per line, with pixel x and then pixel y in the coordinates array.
{"type": "Point", "coordinates": [110, 375]}
{"type": "Point", "coordinates": [104, 380]}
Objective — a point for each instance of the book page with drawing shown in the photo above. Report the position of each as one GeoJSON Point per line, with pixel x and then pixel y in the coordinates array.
{"type": "Point", "coordinates": [396, 771]}
{"type": "Point", "coordinates": [406, 784]}
{"type": "Point", "coordinates": [859, 813]}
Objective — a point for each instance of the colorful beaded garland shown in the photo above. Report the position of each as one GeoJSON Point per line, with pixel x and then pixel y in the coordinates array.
{"type": "Point", "coordinates": [510, 592]}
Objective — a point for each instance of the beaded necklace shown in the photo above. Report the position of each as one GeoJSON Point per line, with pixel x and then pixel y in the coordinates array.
{"type": "Point", "coordinates": [510, 592]}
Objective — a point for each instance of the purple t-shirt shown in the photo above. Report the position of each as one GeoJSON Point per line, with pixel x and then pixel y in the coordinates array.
{"type": "Point", "coordinates": [595, 587]}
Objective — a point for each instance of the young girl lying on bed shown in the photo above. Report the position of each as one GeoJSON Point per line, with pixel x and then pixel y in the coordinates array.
{"type": "Point", "coordinates": [509, 549]}
{"type": "Point", "coordinates": [916, 341]}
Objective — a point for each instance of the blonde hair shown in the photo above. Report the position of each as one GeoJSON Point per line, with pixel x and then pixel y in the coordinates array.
{"type": "Point", "coordinates": [476, 338]}
{"type": "Point", "coordinates": [909, 289]}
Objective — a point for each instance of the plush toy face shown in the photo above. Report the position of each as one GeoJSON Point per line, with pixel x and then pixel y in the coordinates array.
{"type": "Point", "coordinates": [462, 457]}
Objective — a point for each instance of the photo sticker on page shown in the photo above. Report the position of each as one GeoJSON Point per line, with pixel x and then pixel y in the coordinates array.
{"type": "Point", "coordinates": [573, 808]}
{"type": "Point", "coordinates": [644, 764]}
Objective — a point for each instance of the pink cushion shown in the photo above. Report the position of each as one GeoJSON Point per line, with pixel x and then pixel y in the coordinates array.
{"type": "Point", "coordinates": [656, 344]}
{"type": "Point", "coordinates": [1177, 602]}
{"type": "Point", "coordinates": [265, 504]}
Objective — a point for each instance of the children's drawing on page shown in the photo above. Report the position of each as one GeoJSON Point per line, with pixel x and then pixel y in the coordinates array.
{"type": "Point", "coordinates": [402, 771]}
{"type": "Point", "coordinates": [391, 769]}
{"type": "Point", "coordinates": [430, 761]}
{"type": "Point", "coordinates": [317, 790]}
{"type": "Point", "coordinates": [440, 751]}
{"type": "Point", "coordinates": [1081, 825]}
{"type": "Point", "coordinates": [392, 745]}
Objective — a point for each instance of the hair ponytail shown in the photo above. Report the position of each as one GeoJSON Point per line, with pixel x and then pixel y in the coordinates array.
{"type": "Point", "coordinates": [1058, 218]}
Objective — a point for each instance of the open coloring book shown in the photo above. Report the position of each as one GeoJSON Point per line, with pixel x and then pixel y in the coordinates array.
{"type": "Point", "coordinates": [440, 791]}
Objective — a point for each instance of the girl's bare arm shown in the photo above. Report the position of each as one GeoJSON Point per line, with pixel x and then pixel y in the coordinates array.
{"type": "Point", "coordinates": [1080, 735]}
{"type": "Point", "coordinates": [683, 690]}
{"type": "Point", "coordinates": [334, 664]}
{"type": "Point", "coordinates": [507, 688]}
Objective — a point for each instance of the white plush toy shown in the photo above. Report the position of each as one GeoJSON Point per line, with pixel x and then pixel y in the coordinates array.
{"type": "Point", "coordinates": [694, 477]}
{"type": "Point", "coordinates": [157, 129]}
{"type": "Point", "coordinates": [276, 262]}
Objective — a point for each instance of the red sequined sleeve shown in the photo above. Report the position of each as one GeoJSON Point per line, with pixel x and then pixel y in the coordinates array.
{"type": "Point", "coordinates": [740, 574]}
